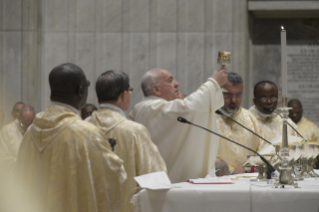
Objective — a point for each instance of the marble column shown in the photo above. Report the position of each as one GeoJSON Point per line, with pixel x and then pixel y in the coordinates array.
{"type": "Point", "coordinates": [134, 36]}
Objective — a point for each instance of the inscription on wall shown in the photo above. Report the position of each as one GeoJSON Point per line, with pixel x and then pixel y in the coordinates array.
{"type": "Point", "coordinates": [303, 77]}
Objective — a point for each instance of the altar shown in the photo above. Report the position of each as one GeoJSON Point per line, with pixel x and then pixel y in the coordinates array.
{"type": "Point", "coordinates": [242, 196]}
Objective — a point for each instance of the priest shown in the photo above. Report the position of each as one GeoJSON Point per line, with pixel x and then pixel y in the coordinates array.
{"type": "Point", "coordinates": [134, 145]}
{"type": "Point", "coordinates": [234, 155]}
{"type": "Point", "coordinates": [14, 113]}
{"type": "Point", "coordinates": [11, 137]}
{"type": "Point", "coordinates": [189, 152]}
{"type": "Point", "coordinates": [64, 163]}
{"type": "Point", "coordinates": [308, 129]}
{"type": "Point", "coordinates": [16, 109]}
{"type": "Point", "coordinates": [265, 102]}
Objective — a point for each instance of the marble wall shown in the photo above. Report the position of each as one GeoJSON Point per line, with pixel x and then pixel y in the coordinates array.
{"type": "Point", "coordinates": [302, 59]}
{"type": "Point", "coordinates": [134, 36]}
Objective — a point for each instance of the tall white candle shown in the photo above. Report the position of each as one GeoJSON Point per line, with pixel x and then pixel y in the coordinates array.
{"type": "Point", "coordinates": [283, 62]}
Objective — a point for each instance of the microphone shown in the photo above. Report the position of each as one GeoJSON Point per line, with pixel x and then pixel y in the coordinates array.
{"type": "Point", "coordinates": [220, 113]}
{"type": "Point", "coordinates": [271, 110]}
{"type": "Point", "coordinates": [183, 120]}
{"type": "Point", "coordinates": [270, 167]}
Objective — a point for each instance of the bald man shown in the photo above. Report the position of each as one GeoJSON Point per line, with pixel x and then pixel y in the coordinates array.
{"type": "Point", "coordinates": [14, 113]}
{"type": "Point", "coordinates": [15, 110]}
{"type": "Point", "coordinates": [87, 110]}
{"type": "Point", "coordinates": [308, 129]}
{"type": "Point", "coordinates": [64, 163]}
{"type": "Point", "coordinates": [189, 152]}
{"type": "Point", "coordinates": [11, 137]}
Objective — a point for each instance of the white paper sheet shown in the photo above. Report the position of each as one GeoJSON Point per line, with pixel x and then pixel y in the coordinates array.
{"type": "Point", "coordinates": [154, 181]}
{"type": "Point", "coordinates": [211, 181]}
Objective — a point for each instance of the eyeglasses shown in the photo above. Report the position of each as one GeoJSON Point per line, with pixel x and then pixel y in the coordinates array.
{"type": "Point", "coordinates": [229, 96]}
{"type": "Point", "coordinates": [265, 99]}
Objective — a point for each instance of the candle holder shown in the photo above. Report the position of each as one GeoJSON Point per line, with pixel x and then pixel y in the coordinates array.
{"type": "Point", "coordinates": [285, 170]}
{"type": "Point", "coordinates": [298, 163]}
{"type": "Point", "coordinates": [254, 160]}
{"type": "Point", "coordinates": [223, 59]}
{"type": "Point", "coordinates": [311, 161]}
{"type": "Point", "coordinates": [306, 154]}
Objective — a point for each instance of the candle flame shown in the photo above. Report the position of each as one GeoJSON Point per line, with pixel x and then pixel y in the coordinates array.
{"type": "Point", "coordinates": [282, 28]}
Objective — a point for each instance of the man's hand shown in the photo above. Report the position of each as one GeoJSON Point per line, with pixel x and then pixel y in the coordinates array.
{"type": "Point", "coordinates": [220, 76]}
{"type": "Point", "coordinates": [239, 171]}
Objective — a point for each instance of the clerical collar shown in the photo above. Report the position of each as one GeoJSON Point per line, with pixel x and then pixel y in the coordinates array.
{"type": "Point", "coordinates": [300, 120]}
{"type": "Point", "coordinates": [19, 126]}
{"type": "Point", "coordinates": [66, 105]}
{"type": "Point", "coordinates": [226, 113]}
{"type": "Point", "coordinates": [260, 113]}
{"type": "Point", "coordinates": [152, 97]}
{"type": "Point", "coordinates": [112, 107]}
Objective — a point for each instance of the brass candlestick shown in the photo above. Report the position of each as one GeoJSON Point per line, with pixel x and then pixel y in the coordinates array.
{"type": "Point", "coordinates": [223, 59]}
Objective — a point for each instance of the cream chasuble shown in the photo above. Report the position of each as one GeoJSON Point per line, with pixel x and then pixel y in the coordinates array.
{"type": "Point", "coordinates": [10, 139]}
{"type": "Point", "coordinates": [271, 125]}
{"type": "Point", "coordinates": [66, 164]}
{"type": "Point", "coordinates": [189, 152]}
{"type": "Point", "coordinates": [134, 147]}
{"type": "Point", "coordinates": [308, 129]}
{"type": "Point", "coordinates": [234, 155]}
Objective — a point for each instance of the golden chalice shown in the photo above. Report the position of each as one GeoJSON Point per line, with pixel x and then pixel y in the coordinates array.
{"type": "Point", "coordinates": [223, 59]}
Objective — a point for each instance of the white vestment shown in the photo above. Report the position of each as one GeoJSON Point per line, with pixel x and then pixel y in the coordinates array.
{"type": "Point", "coordinates": [189, 152]}
{"type": "Point", "coordinates": [271, 125]}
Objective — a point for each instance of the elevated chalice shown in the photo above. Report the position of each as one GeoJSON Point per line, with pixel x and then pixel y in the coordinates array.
{"type": "Point", "coordinates": [223, 59]}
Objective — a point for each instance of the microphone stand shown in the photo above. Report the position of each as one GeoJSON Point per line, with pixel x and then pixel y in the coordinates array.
{"type": "Point", "coordinates": [220, 113]}
{"type": "Point", "coordinates": [270, 167]}
{"type": "Point", "coordinates": [270, 110]}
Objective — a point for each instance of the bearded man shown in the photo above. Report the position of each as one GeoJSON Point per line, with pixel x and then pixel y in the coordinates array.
{"type": "Point", "coordinates": [234, 155]}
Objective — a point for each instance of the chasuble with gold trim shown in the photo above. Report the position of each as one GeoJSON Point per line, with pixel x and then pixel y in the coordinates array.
{"type": "Point", "coordinates": [308, 129]}
{"type": "Point", "coordinates": [234, 155]}
{"type": "Point", "coordinates": [66, 164]}
{"type": "Point", "coordinates": [10, 139]}
{"type": "Point", "coordinates": [134, 147]}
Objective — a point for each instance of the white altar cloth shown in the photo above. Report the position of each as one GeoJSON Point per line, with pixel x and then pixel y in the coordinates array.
{"type": "Point", "coordinates": [243, 196]}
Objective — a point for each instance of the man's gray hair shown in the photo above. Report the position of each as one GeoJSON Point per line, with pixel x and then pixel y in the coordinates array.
{"type": "Point", "coordinates": [26, 108]}
{"type": "Point", "coordinates": [234, 78]}
{"type": "Point", "coordinates": [149, 79]}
